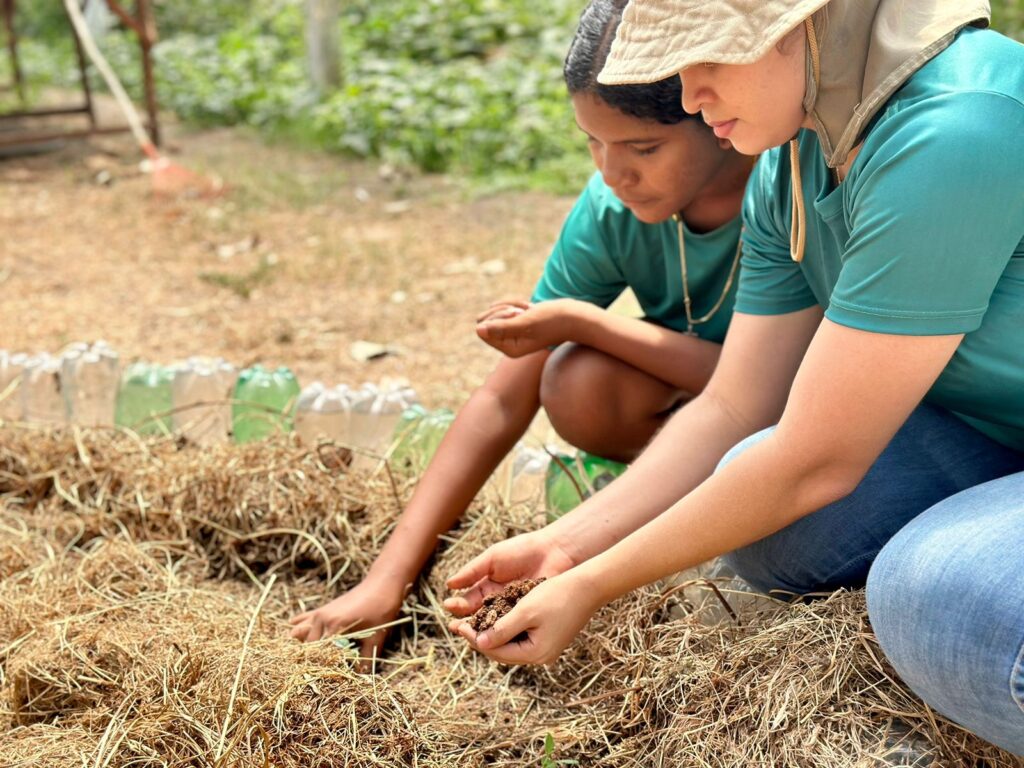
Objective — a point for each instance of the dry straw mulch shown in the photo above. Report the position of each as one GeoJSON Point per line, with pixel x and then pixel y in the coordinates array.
{"type": "Point", "coordinates": [144, 587]}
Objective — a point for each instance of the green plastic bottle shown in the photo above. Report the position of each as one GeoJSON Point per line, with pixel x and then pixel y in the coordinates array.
{"type": "Point", "coordinates": [417, 435]}
{"type": "Point", "coordinates": [144, 400]}
{"type": "Point", "coordinates": [264, 403]}
{"type": "Point", "coordinates": [587, 474]}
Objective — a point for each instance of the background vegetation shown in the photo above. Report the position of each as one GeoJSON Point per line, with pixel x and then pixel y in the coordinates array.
{"type": "Point", "coordinates": [469, 86]}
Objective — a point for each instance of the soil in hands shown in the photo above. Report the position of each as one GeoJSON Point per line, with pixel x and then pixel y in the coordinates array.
{"type": "Point", "coordinates": [497, 605]}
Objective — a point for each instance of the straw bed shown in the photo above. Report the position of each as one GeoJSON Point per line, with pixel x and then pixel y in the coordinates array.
{"type": "Point", "coordinates": [143, 592]}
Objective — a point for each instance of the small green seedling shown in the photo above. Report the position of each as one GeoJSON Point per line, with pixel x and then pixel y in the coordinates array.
{"type": "Point", "coordinates": [549, 761]}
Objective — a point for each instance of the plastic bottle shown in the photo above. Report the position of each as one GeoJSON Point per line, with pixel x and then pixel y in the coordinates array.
{"type": "Point", "coordinates": [264, 403]}
{"type": "Point", "coordinates": [361, 416]}
{"type": "Point", "coordinates": [903, 746]}
{"type": "Point", "coordinates": [388, 410]}
{"type": "Point", "coordinates": [42, 399]}
{"type": "Point", "coordinates": [323, 413]}
{"type": "Point", "coordinates": [586, 475]}
{"type": "Point", "coordinates": [11, 369]}
{"type": "Point", "coordinates": [375, 413]}
{"type": "Point", "coordinates": [201, 398]}
{"type": "Point", "coordinates": [144, 400]}
{"type": "Point", "coordinates": [90, 379]}
{"type": "Point", "coordinates": [529, 472]}
{"type": "Point", "coordinates": [417, 436]}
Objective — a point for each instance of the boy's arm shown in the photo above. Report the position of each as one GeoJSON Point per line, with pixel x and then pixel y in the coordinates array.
{"type": "Point", "coordinates": [685, 362]}
{"type": "Point", "coordinates": [485, 430]}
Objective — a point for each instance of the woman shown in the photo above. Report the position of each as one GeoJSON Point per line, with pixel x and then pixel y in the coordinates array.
{"type": "Point", "coordinates": [606, 382]}
{"type": "Point", "coordinates": [880, 318]}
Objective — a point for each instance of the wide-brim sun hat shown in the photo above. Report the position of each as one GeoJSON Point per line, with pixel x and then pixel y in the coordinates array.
{"type": "Point", "coordinates": [858, 54]}
{"type": "Point", "coordinates": [660, 38]}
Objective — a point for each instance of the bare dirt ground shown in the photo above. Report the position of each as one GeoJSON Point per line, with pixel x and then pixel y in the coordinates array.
{"type": "Point", "coordinates": [306, 253]}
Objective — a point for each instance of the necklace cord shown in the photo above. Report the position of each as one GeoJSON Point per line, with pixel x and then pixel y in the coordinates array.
{"type": "Point", "coordinates": [687, 302]}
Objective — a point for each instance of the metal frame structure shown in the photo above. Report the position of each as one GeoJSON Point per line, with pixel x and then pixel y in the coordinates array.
{"type": "Point", "coordinates": [140, 22]}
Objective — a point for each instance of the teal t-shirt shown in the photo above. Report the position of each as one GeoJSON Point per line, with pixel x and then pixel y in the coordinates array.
{"type": "Point", "coordinates": [926, 234]}
{"type": "Point", "coordinates": [603, 249]}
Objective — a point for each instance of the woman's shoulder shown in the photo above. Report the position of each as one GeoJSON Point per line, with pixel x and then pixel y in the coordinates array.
{"type": "Point", "coordinates": [977, 62]}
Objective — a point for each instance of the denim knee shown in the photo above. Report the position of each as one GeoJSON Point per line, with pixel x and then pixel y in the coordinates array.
{"type": "Point", "coordinates": [944, 598]}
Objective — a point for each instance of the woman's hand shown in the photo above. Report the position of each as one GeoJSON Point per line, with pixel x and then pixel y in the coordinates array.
{"type": "Point", "coordinates": [517, 328]}
{"type": "Point", "coordinates": [551, 615]}
{"type": "Point", "coordinates": [372, 603]}
{"type": "Point", "coordinates": [527, 556]}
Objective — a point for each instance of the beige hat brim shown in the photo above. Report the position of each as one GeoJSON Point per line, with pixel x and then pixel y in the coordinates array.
{"type": "Point", "coordinates": [660, 38]}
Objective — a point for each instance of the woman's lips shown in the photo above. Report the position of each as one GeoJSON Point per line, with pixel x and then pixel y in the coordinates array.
{"type": "Point", "coordinates": [722, 128]}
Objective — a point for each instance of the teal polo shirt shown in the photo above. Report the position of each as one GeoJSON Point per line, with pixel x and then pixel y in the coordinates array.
{"type": "Point", "coordinates": [603, 249]}
{"type": "Point", "coordinates": [926, 234]}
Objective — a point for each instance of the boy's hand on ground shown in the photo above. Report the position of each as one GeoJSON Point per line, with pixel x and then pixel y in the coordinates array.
{"type": "Point", "coordinates": [527, 556]}
{"type": "Point", "coordinates": [369, 604]}
{"type": "Point", "coordinates": [516, 328]}
{"type": "Point", "coordinates": [551, 615]}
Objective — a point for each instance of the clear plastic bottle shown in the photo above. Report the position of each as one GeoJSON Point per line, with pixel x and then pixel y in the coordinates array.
{"type": "Point", "coordinates": [361, 416]}
{"type": "Point", "coordinates": [144, 400]}
{"type": "Point", "coordinates": [264, 403]}
{"type": "Point", "coordinates": [42, 399]}
{"type": "Point", "coordinates": [90, 379]}
{"type": "Point", "coordinates": [201, 398]}
{"type": "Point", "coordinates": [323, 413]}
{"type": "Point", "coordinates": [529, 471]}
{"type": "Point", "coordinates": [375, 413]}
{"type": "Point", "coordinates": [12, 367]}
{"type": "Point", "coordinates": [906, 747]}
{"type": "Point", "coordinates": [387, 412]}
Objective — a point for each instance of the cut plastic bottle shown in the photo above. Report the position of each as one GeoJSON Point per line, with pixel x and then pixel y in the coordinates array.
{"type": "Point", "coordinates": [572, 479]}
{"type": "Point", "coordinates": [201, 398]}
{"type": "Point", "coordinates": [90, 377]}
{"type": "Point", "coordinates": [144, 400]}
{"type": "Point", "coordinates": [12, 367]}
{"type": "Point", "coordinates": [416, 437]}
{"type": "Point", "coordinates": [42, 399]}
{"type": "Point", "coordinates": [264, 403]}
{"type": "Point", "coordinates": [323, 413]}
{"type": "Point", "coordinates": [375, 413]}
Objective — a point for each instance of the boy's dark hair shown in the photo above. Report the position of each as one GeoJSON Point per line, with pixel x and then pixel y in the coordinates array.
{"type": "Point", "coordinates": [660, 101]}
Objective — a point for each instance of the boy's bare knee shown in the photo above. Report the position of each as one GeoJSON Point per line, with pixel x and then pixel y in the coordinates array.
{"type": "Point", "coordinates": [572, 391]}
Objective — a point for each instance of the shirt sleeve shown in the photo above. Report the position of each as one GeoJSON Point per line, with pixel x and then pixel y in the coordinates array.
{"type": "Point", "coordinates": [937, 210]}
{"type": "Point", "coordinates": [771, 283]}
{"type": "Point", "coordinates": [583, 263]}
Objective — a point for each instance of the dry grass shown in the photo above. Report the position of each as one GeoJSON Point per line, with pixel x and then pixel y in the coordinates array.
{"type": "Point", "coordinates": [142, 623]}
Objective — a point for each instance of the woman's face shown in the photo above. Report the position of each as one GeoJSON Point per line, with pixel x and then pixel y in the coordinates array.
{"type": "Point", "coordinates": [656, 170]}
{"type": "Point", "coordinates": [755, 106]}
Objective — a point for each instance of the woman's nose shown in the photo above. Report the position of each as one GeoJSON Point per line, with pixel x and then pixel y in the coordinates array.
{"type": "Point", "coordinates": [696, 92]}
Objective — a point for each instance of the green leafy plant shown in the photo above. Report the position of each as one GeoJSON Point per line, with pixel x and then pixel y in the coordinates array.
{"type": "Point", "coordinates": [466, 86]}
{"type": "Point", "coordinates": [548, 760]}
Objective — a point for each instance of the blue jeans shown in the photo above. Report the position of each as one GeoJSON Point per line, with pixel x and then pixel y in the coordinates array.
{"type": "Point", "coordinates": [936, 530]}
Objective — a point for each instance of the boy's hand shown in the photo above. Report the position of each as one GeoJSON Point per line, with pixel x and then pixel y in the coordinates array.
{"type": "Point", "coordinates": [517, 328]}
{"type": "Point", "coordinates": [371, 603]}
{"type": "Point", "coordinates": [527, 556]}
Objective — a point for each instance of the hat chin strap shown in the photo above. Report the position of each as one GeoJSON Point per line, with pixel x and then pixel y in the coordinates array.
{"type": "Point", "coordinates": [798, 222]}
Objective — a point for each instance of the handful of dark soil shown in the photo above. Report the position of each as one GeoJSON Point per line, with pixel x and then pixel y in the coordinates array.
{"type": "Point", "coordinates": [497, 605]}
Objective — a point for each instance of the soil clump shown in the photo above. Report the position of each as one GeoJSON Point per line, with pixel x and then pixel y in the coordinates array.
{"type": "Point", "coordinates": [497, 605]}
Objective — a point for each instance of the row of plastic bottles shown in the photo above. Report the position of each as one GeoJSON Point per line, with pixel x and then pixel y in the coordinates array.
{"type": "Point", "coordinates": [206, 399]}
